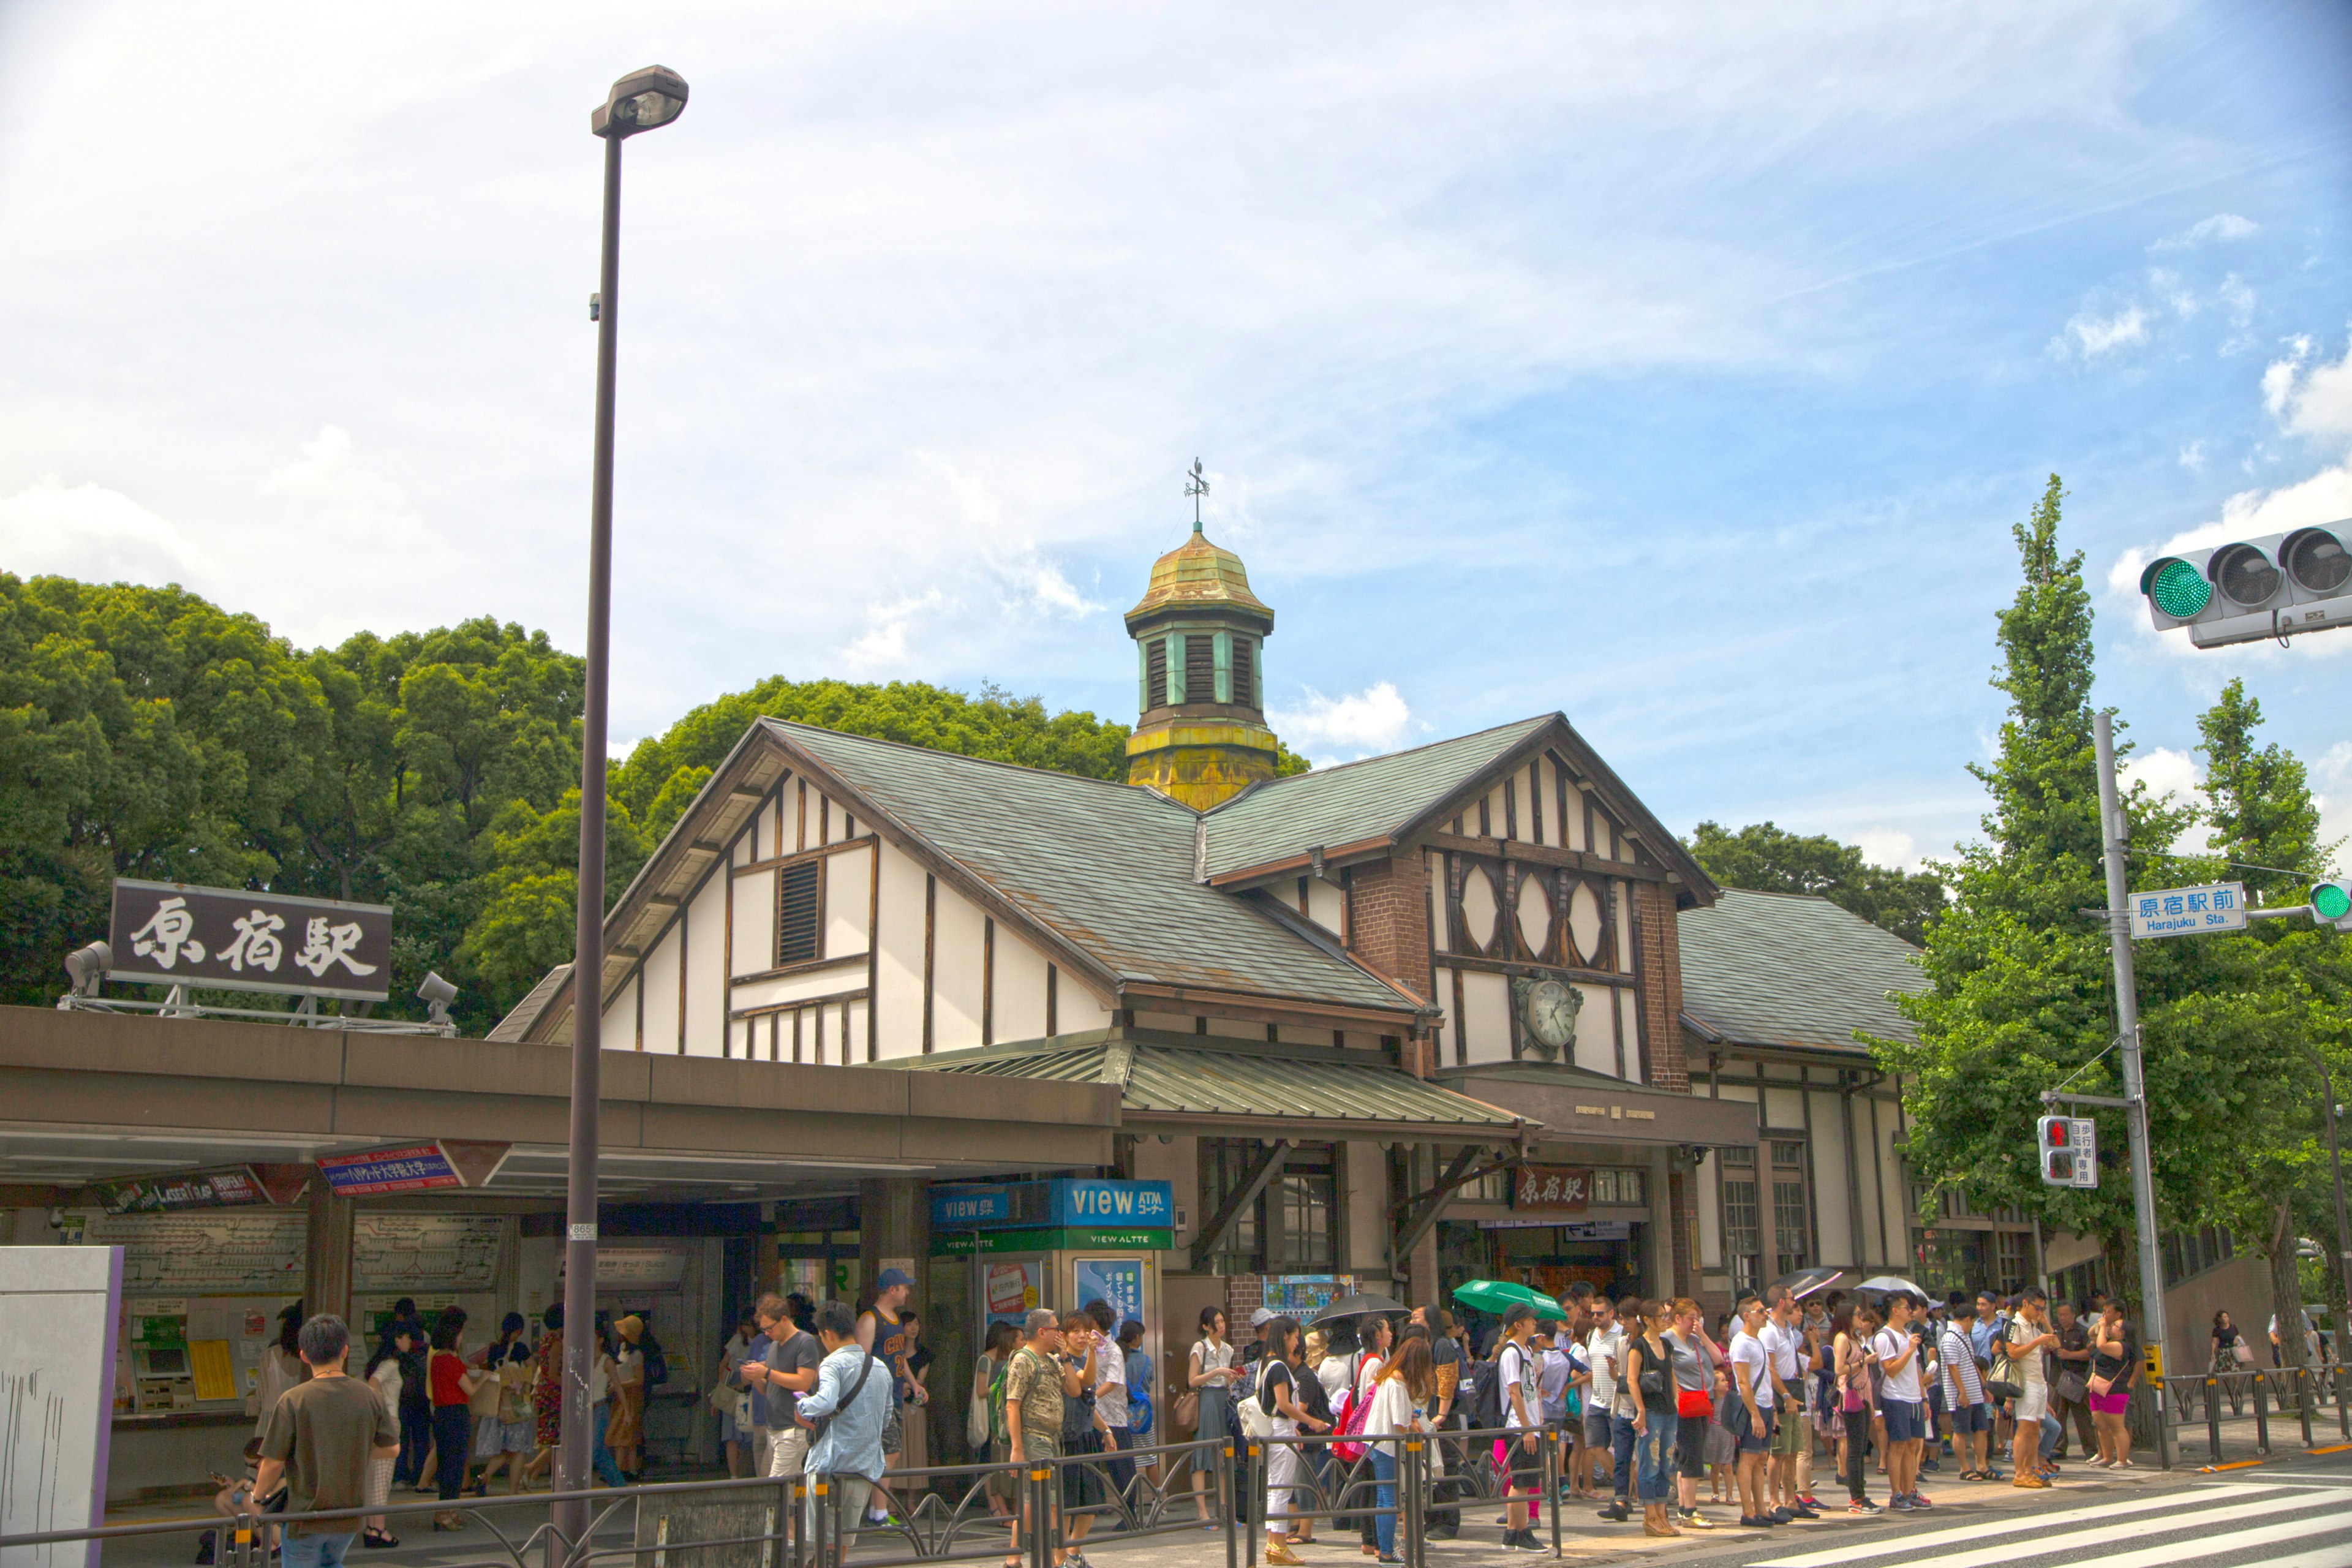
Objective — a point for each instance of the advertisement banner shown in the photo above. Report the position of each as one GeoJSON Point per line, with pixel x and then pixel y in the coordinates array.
{"type": "Point", "coordinates": [1009, 1291]}
{"type": "Point", "coordinates": [1118, 1280]}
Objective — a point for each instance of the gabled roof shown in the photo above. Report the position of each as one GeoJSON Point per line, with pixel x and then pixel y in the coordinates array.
{"type": "Point", "coordinates": [1106, 868]}
{"type": "Point", "coordinates": [1203, 1078]}
{"type": "Point", "coordinates": [1378, 802]}
{"type": "Point", "coordinates": [1792, 969]}
{"type": "Point", "coordinates": [515, 1024]}
{"type": "Point", "coordinates": [1373, 799]}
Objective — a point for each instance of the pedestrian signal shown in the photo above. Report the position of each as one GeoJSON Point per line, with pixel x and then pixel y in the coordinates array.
{"type": "Point", "coordinates": [2070, 1150]}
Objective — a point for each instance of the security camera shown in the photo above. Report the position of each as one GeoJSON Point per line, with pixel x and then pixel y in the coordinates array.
{"type": "Point", "coordinates": [87, 967]}
{"type": "Point", "coordinates": [437, 995]}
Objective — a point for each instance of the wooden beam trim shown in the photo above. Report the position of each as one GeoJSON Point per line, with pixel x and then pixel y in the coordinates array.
{"type": "Point", "coordinates": [1543, 854]}
{"type": "Point", "coordinates": [844, 846]}
{"type": "Point", "coordinates": [1254, 1180]}
{"type": "Point", "coordinates": [806, 966]}
{"type": "Point", "coordinates": [830, 999]}
{"type": "Point", "coordinates": [1192, 1002]}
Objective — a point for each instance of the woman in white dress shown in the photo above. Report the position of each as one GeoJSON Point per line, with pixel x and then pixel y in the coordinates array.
{"type": "Point", "coordinates": [384, 1376]}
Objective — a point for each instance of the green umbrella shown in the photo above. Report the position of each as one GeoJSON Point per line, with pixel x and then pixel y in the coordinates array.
{"type": "Point", "coordinates": [1497, 1295]}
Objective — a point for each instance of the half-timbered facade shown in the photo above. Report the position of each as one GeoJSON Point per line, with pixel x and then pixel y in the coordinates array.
{"type": "Point", "coordinates": [1407, 1019]}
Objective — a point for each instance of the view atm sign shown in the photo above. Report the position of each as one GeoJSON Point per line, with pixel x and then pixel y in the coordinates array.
{"type": "Point", "coordinates": [1058, 1204]}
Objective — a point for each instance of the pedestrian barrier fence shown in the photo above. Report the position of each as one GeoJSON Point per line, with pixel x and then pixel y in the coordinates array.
{"type": "Point", "coordinates": [818, 1522]}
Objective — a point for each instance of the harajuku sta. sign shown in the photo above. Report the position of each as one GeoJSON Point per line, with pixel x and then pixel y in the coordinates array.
{"type": "Point", "coordinates": [169, 933]}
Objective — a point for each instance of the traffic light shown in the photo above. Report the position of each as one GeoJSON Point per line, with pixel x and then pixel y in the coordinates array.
{"type": "Point", "coordinates": [2070, 1150]}
{"type": "Point", "coordinates": [2331, 900]}
{"type": "Point", "coordinates": [2274, 587]}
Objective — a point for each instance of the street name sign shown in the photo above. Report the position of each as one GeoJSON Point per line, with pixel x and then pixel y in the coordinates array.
{"type": "Point", "coordinates": [2189, 911]}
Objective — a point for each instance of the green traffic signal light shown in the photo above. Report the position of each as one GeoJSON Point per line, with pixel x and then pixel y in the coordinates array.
{"type": "Point", "coordinates": [2331, 901]}
{"type": "Point", "coordinates": [2181, 590]}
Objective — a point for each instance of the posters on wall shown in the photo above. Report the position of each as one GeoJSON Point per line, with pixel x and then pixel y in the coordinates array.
{"type": "Point", "coordinates": [1116, 1280]}
{"type": "Point", "coordinates": [1009, 1290]}
{"type": "Point", "coordinates": [1304, 1295]}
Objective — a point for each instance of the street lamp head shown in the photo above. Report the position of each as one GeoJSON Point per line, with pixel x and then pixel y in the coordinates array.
{"type": "Point", "coordinates": [642, 101]}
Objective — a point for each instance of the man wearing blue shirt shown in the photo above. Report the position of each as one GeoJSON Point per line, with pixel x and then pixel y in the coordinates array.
{"type": "Point", "coordinates": [852, 1400]}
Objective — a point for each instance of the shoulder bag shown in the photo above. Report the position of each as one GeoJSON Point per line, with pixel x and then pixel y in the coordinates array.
{"type": "Point", "coordinates": [818, 1424]}
{"type": "Point", "coordinates": [1257, 1417]}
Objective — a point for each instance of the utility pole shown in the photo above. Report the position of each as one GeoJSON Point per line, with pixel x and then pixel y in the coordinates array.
{"type": "Point", "coordinates": [2343, 1226]}
{"type": "Point", "coordinates": [2114, 830]}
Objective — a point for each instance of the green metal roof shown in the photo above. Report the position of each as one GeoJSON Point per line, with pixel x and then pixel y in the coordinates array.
{"type": "Point", "coordinates": [1791, 969]}
{"type": "Point", "coordinates": [1203, 1076]}
{"type": "Point", "coordinates": [1107, 867]}
{"type": "Point", "coordinates": [1355, 800]}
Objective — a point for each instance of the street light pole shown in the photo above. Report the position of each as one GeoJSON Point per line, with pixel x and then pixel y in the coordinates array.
{"type": "Point", "coordinates": [641, 101]}
{"type": "Point", "coordinates": [2343, 1226]}
{"type": "Point", "coordinates": [2114, 831]}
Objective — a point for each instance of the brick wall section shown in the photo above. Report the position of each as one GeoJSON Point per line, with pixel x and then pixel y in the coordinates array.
{"type": "Point", "coordinates": [1662, 987]}
{"type": "Point", "coordinates": [1244, 1294]}
{"type": "Point", "coordinates": [1388, 918]}
{"type": "Point", "coordinates": [1682, 1200]}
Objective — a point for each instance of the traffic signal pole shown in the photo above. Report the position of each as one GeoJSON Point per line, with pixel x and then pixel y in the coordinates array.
{"type": "Point", "coordinates": [2114, 830]}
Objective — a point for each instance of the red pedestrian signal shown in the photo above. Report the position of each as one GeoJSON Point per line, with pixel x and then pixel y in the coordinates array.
{"type": "Point", "coordinates": [2070, 1150]}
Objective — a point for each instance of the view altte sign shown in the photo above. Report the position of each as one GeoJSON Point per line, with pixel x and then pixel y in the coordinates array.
{"type": "Point", "coordinates": [168, 933]}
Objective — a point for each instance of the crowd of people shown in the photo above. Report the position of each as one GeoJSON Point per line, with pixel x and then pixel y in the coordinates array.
{"type": "Point", "coordinates": [1652, 1405]}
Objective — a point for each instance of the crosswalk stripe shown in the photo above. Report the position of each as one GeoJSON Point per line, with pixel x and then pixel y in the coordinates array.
{"type": "Point", "coordinates": [2335, 1556]}
{"type": "Point", "coordinates": [1881, 1548]}
{"type": "Point", "coordinates": [2063, 1538]}
{"type": "Point", "coordinates": [2238, 1541]}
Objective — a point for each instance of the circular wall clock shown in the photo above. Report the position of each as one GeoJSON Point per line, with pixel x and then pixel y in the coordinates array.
{"type": "Point", "coordinates": [1548, 1011]}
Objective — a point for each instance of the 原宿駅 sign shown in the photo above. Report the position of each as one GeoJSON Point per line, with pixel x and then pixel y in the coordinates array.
{"type": "Point", "coordinates": [167, 933]}
{"type": "Point", "coordinates": [2187, 911]}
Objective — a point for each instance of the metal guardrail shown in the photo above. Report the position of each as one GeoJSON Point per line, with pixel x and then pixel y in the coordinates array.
{"type": "Point", "coordinates": [796, 1522]}
{"type": "Point", "coordinates": [2303, 1392]}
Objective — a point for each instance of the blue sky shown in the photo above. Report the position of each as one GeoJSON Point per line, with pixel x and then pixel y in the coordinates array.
{"type": "Point", "coordinates": [1681, 368]}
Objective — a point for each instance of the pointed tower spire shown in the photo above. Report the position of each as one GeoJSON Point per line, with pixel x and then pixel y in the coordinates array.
{"type": "Point", "coordinates": [1200, 633]}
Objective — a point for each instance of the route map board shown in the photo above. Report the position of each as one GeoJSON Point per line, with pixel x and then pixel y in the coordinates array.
{"type": "Point", "coordinates": [211, 1252]}
{"type": "Point", "coordinates": [421, 1254]}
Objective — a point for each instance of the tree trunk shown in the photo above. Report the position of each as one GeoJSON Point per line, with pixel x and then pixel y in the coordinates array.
{"type": "Point", "coordinates": [2286, 1293]}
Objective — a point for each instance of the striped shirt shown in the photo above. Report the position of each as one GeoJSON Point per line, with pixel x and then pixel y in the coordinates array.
{"type": "Point", "coordinates": [1963, 1385]}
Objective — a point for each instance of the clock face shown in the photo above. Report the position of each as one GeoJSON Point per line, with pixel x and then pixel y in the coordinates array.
{"type": "Point", "coordinates": [1550, 1013]}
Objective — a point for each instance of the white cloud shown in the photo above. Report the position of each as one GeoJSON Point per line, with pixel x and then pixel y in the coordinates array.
{"type": "Point", "coordinates": [1336, 729]}
{"type": "Point", "coordinates": [2331, 772]}
{"type": "Point", "coordinates": [2220, 226]}
{"type": "Point", "coordinates": [2167, 287]}
{"type": "Point", "coordinates": [2169, 773]}
{"type": "Point", "coordinates": [2312, 400]}
{"type": "Point", "coordinates": [2237, 300]}
{"type": "Point", "coordinates": [2093, 336]}
{"type": "Point", "coordinates": [2192, 457]}
{"type": "Point", "coordinates": [89, 531]}
{"type": "Point", "coordinates": [1888, 846]}
{"type": "Point", "coordinates": [882, 646]}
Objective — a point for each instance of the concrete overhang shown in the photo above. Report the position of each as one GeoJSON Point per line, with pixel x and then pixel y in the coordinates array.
{"type": "Point", "coordinates": [91, 1095]}
{"type": "Point", "coordinates": [1580, 1107]}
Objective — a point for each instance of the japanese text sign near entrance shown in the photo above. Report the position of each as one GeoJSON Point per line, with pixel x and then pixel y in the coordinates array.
{"type": "Point", "coordinates": [2187, 911]}
{"type": "Point", "coordinates": [412, 1167]}
{"type": "Point", "coordinates": [1556, 1189]}
{"type": "Point", "coordinates": [1116, 1280]}
{"type": "Point", "coordinates": [167, 933]}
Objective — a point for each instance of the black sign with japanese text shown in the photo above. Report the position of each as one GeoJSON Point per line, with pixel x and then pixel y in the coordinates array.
{"type": "Point", "coordinates": [167, 933]}
{"type": "Point", "coordinates": [1558, 1188]}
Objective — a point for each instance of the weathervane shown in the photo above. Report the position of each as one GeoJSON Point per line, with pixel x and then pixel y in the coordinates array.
{"type": "Point", "coordinates": [1196, 485]}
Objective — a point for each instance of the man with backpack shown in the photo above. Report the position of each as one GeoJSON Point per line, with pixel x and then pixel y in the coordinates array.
{"type": "Point", "coordinates": [1517, 1391]}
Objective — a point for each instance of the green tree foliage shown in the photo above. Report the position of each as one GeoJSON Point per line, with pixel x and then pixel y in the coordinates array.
{"type": "Point", "coordinates": [1766, 859]}
{"type": "Point", "coordinates": [2020, 997]}
{"type": "Point", "coordinates": [146, 733]}
{"type": "Point", "coordinates": [2022, 993]}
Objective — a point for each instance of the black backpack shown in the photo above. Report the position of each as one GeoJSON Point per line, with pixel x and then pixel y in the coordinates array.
{"type": "Point", "coordinates": [656, 1363]}
{"type": "Point", "coordinates": [1484, 1401]}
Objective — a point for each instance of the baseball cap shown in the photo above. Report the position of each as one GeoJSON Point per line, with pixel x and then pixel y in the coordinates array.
{"type": "Point", "coordinates": [1263, 1316]}
{"type": "Point", "coordinates": [893, 1276]}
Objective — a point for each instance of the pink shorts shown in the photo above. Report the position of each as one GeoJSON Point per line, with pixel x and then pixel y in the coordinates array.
{"type": "Point", "coordinates": [2111, 1404]}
